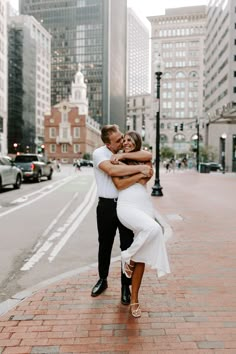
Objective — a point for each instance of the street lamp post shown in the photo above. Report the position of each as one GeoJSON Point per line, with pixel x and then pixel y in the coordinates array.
{"type": "Point", "coordinates": [157, 189]}
{"type": "Point", "coordinates": [15, 145]}
{"type": "Point", "coordinates": [223, 138]}
{"type": "Point", "coordinates": [198, 140]}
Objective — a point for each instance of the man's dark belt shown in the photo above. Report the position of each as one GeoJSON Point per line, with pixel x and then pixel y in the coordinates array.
{"type": "Point", "coordinates": [108, 200]}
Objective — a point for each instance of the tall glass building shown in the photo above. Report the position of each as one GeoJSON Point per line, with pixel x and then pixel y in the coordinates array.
{"type": "Point", "coordinates": [91, 33]}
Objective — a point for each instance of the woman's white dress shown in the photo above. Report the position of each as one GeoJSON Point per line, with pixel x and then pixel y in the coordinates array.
{"type": "Point", "coordinates": [135, 211]}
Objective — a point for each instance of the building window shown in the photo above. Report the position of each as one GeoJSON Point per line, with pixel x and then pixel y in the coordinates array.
{"type": "Point", "coordinates": [76, 148]}
{"type": "Point", "coordinates": [76, 132]}
{"type": "Point", "coordinates": [64, 148]}
{"type": "Point", "coordinates": [52, 132]}
{"type": "Point", "coordinates": [52, 148]}
{"type": "Point", "coordinates": [65, 133]}
{"type": "Point", "coordinates": [64, 117]}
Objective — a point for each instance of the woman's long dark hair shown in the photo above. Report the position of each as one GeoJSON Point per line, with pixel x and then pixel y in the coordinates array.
{"type": "Point", "coordinates": [136, 139]}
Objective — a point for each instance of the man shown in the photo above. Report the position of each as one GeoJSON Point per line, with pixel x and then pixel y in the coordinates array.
{"type": "Point", "coordinates": [107, 221]}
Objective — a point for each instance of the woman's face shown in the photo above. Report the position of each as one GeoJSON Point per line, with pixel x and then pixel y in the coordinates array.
{"type": "Point", "coordinates": [128, 144]}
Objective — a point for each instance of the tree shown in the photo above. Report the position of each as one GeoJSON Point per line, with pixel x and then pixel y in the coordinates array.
{"type": "Point", "coordinates": [87, 156]}
{"type": "Point", "coordinates": [207, 153]}
{"type": "Point", "coordinates": [166, 152]}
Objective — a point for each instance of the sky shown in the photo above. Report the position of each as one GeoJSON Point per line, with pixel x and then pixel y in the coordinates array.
{"type": "Point", "coordinates": [150, 7]}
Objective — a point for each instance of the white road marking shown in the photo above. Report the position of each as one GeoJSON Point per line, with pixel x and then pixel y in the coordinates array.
{"type": "Point", "coordinates": [79, 214]}
{"type": "Point", "coordinates": [76, 224]}
{"type": "Point", "coordinates": [19, 200]}
{"type": "Point", "coordinates": [64, 181]}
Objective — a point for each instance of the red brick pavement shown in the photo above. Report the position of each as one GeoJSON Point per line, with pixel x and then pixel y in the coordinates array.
{"type": "Point", "coordinates": [193, 310]}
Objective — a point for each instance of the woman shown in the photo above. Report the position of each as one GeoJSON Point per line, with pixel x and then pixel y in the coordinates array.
{"type": "Point", "coordinates": [135, 211]}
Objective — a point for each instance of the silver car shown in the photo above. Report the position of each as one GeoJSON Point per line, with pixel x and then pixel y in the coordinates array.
{"type": "Point", "coordinates": [9, 173]}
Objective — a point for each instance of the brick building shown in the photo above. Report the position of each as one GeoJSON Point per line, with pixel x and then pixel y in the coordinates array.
{"type": "Point", "coordinates": [69, 132]}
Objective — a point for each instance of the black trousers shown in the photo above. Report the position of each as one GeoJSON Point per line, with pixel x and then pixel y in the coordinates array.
{"type": "Point", "coordinates": [107, 224]}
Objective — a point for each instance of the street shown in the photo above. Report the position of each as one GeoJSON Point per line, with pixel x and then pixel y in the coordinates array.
{"type": "Point", "coordinates": [47, 228]}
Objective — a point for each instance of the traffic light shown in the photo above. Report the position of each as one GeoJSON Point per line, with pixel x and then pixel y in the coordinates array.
{"type": "Point", "coordinates": [39, 149]}
{"type": "Point", "coordinates": [181, 126]}
{"type": "Point", "coordinates": [176, 128]}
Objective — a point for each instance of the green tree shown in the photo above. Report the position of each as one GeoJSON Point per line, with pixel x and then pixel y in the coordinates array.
{"type": "Point", "coordinates": [87, 156]}
{"type": "Point", "coordinates": [207, 153]}
{"type": "Point", "coordinates": [166, 152]}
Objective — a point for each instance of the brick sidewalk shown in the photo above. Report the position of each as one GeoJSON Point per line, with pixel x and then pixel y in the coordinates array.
{"type": "Point", "coordinates": [193, 310]}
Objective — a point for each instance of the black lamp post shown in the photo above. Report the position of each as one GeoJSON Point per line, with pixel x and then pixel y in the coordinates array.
{"type": "Point", "coordinates": [198, 141]}
{"type": "Point", "coordinates": [157, 189]}
{"type": "Point", "coordinates": [223, 138]}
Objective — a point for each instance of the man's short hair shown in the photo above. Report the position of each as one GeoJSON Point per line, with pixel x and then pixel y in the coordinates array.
{"type": "Point", "coordinates": [107, 130]}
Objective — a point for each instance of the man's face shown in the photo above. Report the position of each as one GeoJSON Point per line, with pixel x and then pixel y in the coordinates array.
{"type": "Point", "coordinates": [116, 142]}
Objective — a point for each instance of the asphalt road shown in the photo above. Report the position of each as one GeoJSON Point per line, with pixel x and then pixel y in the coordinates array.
{"type": "Point", "coordinates": [47, 229]}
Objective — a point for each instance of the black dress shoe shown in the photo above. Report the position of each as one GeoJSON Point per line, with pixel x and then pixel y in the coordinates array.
{"type": "Point", "coordinates": [125, 295]}
{"type": "Point", "coordinates": [99, 287]}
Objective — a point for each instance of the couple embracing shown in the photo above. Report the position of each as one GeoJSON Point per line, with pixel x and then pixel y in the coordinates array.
{"type": "Point", "coordinates": [124, 204]}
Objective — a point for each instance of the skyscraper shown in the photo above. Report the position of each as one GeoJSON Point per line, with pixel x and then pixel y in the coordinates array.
{"type": "Point", "coordinates": [220, 80]}
{"type": "Point", "coordinates": [28, 82]}
{"type": "Point", "coordinates": [178, 38]}
{"type": "Point", "coordinates": [3, 77]}
{"type": "Point", "coordinates": [91, 33]}
{"type": "Point", "coordinates": [138, 55]}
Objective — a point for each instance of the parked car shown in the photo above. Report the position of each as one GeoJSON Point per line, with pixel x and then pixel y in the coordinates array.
{"type": "Point", "coordinates": [34, 166]}
{"type": "Point", "coordinates": [214, 166]}
{"type": "Point", "coordinates": [84, 162]}
{"type": "Point", "coordinates": [9, 173]}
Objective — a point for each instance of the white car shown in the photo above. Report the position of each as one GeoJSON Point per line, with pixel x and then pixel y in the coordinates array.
{"type": "Point", "coordinates": [9, 173]}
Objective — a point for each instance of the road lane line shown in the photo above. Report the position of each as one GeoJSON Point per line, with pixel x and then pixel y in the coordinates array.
{"type": "Point", "coordinates": [48, 243]}
{"type": "Point", "coordinates": [53, 223]}
{"type": "Point", "coordinates": [37, 198]}
{"type": "Point", "coordinates": [74, 226]}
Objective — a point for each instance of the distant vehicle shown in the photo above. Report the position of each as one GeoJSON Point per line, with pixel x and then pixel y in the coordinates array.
{"type": "Point", "coordinates": [84, 162]}
{"type": "Point", "coordinates": [34, 166]}
{"type": "Point", "coordinates": [214, 166]}
{"type": "Point", "coordinates": [9, 173]}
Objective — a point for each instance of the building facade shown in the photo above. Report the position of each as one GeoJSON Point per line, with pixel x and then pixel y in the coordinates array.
{"type": "Point", "coordinates": [69, 132]}
{"type": "Point", "coordinates": [29, 77]}
{"type": "Point", "coordinates": [138, 116]}
{"type": "Point", "coordinates": [92, 33]}
{"type": "Point", "coordinates": [178, 39]}
{"type": "Point", "coordinates": [138, 55]}
{"type": "Point", "coordinates": [3, 77]}
{"type": "Point", "coordinates": [220, 81]}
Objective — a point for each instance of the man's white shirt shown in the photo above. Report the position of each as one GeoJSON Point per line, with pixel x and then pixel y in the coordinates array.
{"type": "Point", "coordinates": [105, 186]}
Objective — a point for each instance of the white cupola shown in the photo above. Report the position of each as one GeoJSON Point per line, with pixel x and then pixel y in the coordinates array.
{"type": "Point", "coordinates": [79, 92]}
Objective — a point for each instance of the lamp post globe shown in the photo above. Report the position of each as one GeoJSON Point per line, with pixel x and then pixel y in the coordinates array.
{"type": "Point", "coordinates": [159, 68]}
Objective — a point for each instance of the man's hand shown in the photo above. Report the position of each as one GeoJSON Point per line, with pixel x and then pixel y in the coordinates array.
{"type": "Point", "coordinates": [146, 170]}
